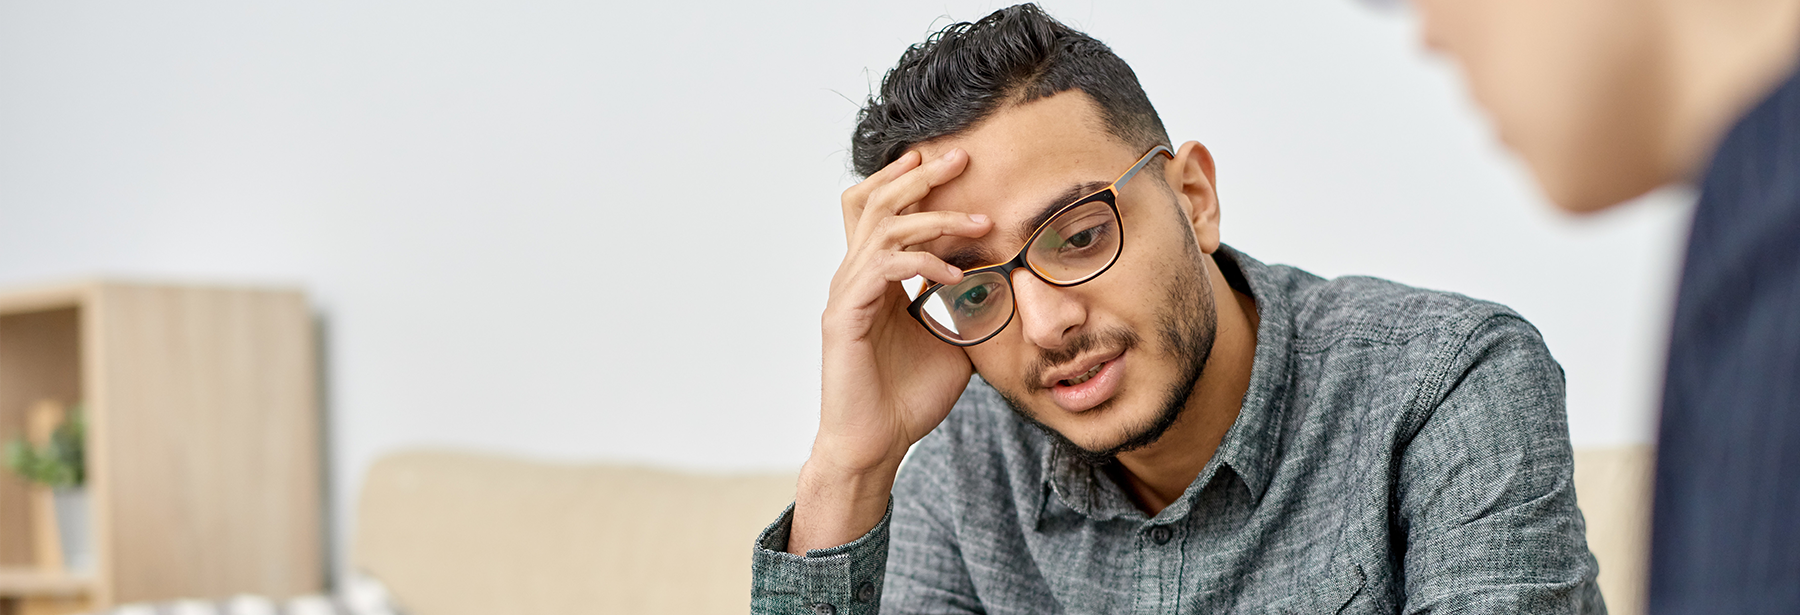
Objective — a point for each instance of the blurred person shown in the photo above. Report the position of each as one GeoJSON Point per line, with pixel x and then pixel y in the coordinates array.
{"type": "Point", "coordinates": [1124, 413]}
{"type": "Point", "coordinates": [1606, 100]}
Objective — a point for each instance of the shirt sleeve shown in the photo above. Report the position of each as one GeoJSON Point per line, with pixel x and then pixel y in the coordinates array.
{"type": "Point", "coordinates": [842, 580]}
{"type": "Point", "coordinates": [918, 570]}
{"type": "Point", "coordinates": [1487, 491]}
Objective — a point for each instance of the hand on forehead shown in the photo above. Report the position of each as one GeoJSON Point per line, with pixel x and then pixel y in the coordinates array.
{"type": "Point", "coordinates": [1022, 160]}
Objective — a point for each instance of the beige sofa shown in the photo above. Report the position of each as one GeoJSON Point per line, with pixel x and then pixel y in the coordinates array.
{"type": "Point", "coordinates": [464, 534]}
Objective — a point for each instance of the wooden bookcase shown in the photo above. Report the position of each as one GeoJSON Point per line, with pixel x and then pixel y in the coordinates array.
{"type": "Point", "coordinates": [203, 441]}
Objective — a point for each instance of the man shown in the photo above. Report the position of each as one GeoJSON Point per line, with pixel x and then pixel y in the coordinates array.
{"type": "Point", "coordinates": [1160, 423]}
{"type": "Point", "coordinates": [1608, 99]}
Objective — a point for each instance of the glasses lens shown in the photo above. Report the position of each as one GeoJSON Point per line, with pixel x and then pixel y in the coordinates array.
{"type": "Point", "coordinates": [1076, 244]}
{"type": "Point", "coordinates": [971, 309]}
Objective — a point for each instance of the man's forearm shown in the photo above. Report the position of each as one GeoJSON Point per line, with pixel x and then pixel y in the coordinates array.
{"type": "Point", "coordinates": [834, 506]}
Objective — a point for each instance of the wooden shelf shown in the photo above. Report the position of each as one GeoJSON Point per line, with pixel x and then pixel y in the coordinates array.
{"type": "Point", "coordinates": [22, 582]}
{"type": "Point", "coordinates": [43, 298]}
{"type": "Point", "coordinates": [202, 450]}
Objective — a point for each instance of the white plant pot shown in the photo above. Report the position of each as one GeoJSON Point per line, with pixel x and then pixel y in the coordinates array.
{"type": "Point", "coordinates": [72, 528]}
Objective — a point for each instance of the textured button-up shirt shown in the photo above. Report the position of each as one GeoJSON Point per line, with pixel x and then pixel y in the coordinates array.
{"type": "Point", "coordinates": [1398, 451]}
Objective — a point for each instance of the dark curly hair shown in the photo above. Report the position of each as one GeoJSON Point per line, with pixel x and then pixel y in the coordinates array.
{"type": "Point", "coordinates": [963, 73]}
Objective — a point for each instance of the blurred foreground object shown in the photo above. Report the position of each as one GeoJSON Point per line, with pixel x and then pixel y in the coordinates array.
{"type": "Point", "coordinates": [1606, 100]}
{"type": "Point", "coordinates": [466, 534]}
{"type": "Point", "coordinates": [201, 442]}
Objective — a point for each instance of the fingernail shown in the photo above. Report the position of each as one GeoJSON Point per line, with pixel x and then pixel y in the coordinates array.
{"type": "Point", "coordinates": [952, 153]}
{"type": "Point", "coordinates": [978, 218]}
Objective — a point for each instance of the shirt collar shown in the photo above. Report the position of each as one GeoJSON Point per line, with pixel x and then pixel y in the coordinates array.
{"type": "Point", "coordinates": [1249, 448]}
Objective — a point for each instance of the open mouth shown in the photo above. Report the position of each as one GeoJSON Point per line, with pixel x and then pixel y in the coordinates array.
{"type": "Point", "coordinates": [1090, 388]}
{"type": "Point", "coordinates": [1069, 382]}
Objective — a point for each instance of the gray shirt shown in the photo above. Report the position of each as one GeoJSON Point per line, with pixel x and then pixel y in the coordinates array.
{"type": "Point", "coordinates": [1398, 451]}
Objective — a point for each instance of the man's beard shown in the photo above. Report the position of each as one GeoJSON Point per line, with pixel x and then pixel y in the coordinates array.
{"type": "Point", "coordinates": [1186, 326]}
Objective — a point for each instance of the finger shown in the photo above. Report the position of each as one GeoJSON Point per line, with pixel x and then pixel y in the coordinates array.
{"type": "Point", "coordinates": [858, 195]}
{"type": "Point", "coordinates": [902, 232]}
{"type": "Point", "coordinates": [910, 188]}
{"type": "Point", "coordinates": [890, 267]}
{"type": "Point", "coordinates": [882, 268]}
{"type": "Point", "coordinates": [906, 233]}
{"type": "Point", "coordinates": [867, 293]}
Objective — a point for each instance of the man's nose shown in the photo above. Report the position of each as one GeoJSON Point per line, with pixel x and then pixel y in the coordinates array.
{"type": "Point", "coordinates": [1051, 316]}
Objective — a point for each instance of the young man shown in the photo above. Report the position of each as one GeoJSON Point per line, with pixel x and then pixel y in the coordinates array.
{"type": "Point", "coordinates": [1608, 99]}
{"type": "Point", "coordinates": [1160, 423]}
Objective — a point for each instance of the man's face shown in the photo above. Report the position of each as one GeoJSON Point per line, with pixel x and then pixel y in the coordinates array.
{"type": "Point", "coordinates": [1570, 87]}
{"type": "Point", "coordinates": [1109, 364]}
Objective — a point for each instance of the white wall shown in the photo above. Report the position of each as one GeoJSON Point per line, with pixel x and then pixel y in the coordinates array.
{"type": "Point", "coordinates": [599, 231]}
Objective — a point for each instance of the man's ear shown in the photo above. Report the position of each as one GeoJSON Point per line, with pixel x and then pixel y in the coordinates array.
{"type": "Point", "coordinates": [1191, 177]}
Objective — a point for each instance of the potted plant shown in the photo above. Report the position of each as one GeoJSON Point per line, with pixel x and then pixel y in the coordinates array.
{"type": "Point", "coordinates": [58, 463]}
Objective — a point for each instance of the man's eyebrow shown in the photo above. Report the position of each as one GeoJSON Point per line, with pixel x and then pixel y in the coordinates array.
{"type": "Point", "coordinates": [969, 257]}
{"type": "Point", "coordinates": [1056, 203]}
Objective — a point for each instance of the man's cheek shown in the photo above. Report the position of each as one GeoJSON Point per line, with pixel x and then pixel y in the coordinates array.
{"type": "Point", "coordinates": [1006, 374]}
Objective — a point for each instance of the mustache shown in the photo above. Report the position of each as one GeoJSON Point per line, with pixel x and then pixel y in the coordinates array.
{"type": "Point", "coordinates": [1113, 339]}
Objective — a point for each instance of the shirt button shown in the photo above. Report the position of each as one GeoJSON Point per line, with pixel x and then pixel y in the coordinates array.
{"type": "Point", "coordinates": [824, 609]}
{"type": "Point", "coordinates": [1161, 534]}
{"type": "Point", "coordinates": [865, 592]}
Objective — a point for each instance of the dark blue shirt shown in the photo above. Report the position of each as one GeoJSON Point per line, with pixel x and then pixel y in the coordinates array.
{"type": "Point", "coordinates": [1726, 535]}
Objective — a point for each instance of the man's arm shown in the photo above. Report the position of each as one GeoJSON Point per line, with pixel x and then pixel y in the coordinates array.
{"type": "Point", "coordinates": [1487, 487]}
{"type": "Point", "coordinates": [886, 382]}
{"type": "Point", "coordinates": [910, 562]}
{"type": "Point", "coordinates": [841, 580]}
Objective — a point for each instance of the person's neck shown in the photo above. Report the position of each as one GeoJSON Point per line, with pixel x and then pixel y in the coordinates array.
{"type": "Point", "coordinates": [1721, 58]}
{"type": "Point", "coordinates": [1158, 474]}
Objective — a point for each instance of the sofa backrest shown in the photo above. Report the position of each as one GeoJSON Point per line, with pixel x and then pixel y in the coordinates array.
{"type": "Point", "coordinates": [1612, 485]}
{"type": "Point", "coordinates": [466, 534]}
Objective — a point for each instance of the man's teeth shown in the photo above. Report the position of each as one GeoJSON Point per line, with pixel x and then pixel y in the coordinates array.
{"type": "Point", "coordinates": [1084, 377]}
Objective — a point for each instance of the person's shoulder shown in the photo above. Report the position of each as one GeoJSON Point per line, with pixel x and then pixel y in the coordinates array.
{"type": "Point", "coordinates": [1423, 345]}
{"type": "Point", "coordinates": [1368, 310]}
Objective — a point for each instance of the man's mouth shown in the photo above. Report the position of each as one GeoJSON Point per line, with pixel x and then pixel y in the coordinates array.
{"type": "Point", "coordinates": [1066, 376]}
{"type": "Point", "coordinates": [1069, 382]}
{"type": "Point", "coordinates": [1089, 388]}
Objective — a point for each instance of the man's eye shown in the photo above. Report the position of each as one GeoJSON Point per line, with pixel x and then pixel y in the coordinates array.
{"type": "Point", "coordinates": [1079, 240]}
{"type": "Point", "coordinates": [974, 297]}
{"type": "Point", "coordinates": [974, 302]}
{"type": "Point", "coordinates": [1082, 239]}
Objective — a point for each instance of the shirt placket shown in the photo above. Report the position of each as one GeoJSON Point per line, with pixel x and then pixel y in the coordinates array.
{"type": "Point", "coordinates": [1159, 569]}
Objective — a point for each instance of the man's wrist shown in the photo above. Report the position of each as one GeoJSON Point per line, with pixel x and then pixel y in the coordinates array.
{"type": "Point", "coordinates": [850, 460]}
{"type": "Point", "coordinates": [825, 484]}
{"type": "Point", "coordinates": [834, 506]}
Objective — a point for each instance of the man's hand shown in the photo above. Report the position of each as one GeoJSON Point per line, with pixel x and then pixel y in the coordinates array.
{"type": "Point", "coordinates": [887, 381]}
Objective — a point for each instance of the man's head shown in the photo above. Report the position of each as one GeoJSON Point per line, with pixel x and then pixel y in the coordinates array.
{"type": "Point", "coordinates": [1048, 115]}
{"type": "Point", "coordinates": [1608, 99]}
{"type": "Point", "coordinates": [967, 71]}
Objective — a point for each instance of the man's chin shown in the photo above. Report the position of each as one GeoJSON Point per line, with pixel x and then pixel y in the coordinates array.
{"type": "Point", "coordinates": [1100, 445]}
{"type": "Point", "coordinates": [1094, 453]}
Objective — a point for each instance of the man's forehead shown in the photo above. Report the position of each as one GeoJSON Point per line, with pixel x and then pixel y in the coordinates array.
{"type": "Point", "coordinates": [1023, 159]}
{"type": "Point", "coordinates": [1025, 152]}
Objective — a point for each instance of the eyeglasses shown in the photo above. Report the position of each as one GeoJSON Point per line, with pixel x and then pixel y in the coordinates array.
{"type": "Point", "coordinates": [1077, 244]}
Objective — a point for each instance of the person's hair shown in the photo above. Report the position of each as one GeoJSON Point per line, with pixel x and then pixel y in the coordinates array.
{"type": "Point", "coordinates": [967, 71]}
